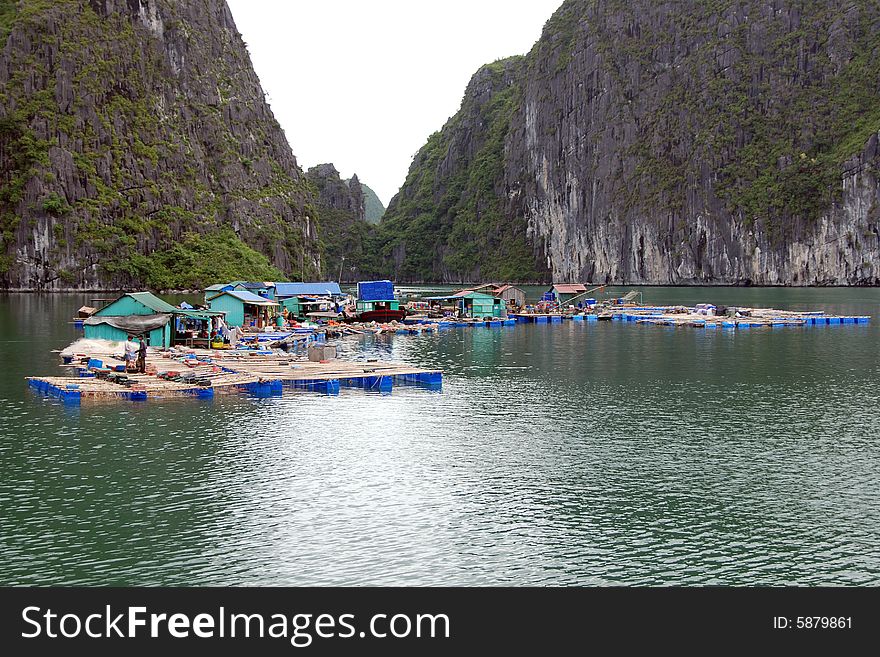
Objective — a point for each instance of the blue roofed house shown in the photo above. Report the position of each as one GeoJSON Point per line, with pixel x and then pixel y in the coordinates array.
{"type": "Point", "coordinates": [287, 290]}
{"type": "Point", "coordinates": [265, 289]}
{"type": "Point", "coordinates": [214, 290]}
{"type": "Point", "coordinates": [301, 298]}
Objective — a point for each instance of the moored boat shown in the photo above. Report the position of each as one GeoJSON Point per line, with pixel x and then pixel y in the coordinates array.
{"type": "Point", "coordinates": [377, 302]}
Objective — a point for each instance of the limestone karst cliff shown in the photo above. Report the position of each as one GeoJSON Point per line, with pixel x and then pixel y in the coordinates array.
{"type": "Point", "coordinates": [137, 148]}
{"type": "Point", "coordinates": [692, 142]}
{"type": "Point", "coordinates": [345, 232]}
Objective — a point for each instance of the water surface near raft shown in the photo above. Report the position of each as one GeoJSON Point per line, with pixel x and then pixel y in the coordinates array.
{"type": "Point", "coordinates": [573, 453]}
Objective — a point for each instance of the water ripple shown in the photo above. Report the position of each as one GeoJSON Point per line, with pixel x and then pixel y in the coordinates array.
{"type": "Point", "coordinates": [573, 454]}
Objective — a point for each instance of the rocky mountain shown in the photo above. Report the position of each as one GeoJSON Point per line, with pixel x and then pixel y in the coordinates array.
{"type": "Point", "coordinates": [345, 232]}
{"type": "Point", "coordinates": [691, 142]}
{"type": "Point", "coordinates": [137, 148]}
{"type": "Point", "coordinates": [374, 209]}
{"type": "Point", "coordinates": [450, 221]}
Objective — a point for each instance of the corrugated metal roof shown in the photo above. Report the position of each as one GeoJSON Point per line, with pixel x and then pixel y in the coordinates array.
{"type": "Point", "coordinates": [472, 294]}
{"type": "Point", "coordinates": [200, 314]}
{"type": "Point", "coordinates": [569, 288]}
{"type": "Point", "coordinates": [462, 294]}
{"type": "Point", "coordinates": [152, 302]}
{"type": "Point", "coordinates": [247, 297]}
{"type": "Point", "coordinates": [295, 289]}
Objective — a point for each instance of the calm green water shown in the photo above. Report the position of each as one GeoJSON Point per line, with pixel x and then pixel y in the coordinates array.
{"type": "Point", "coordinates": [578, 453]}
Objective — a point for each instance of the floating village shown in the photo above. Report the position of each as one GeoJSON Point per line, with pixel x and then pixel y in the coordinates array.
{"type": "Point", "coordinates": [262, 338]}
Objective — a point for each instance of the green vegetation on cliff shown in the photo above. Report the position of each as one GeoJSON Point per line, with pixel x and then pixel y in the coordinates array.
{"type": "Point", "coordinates": [8, 9]}
{"type": "Point", "coordinates": [148, 157]}
{"type": "Point", "coordinates": [699, 141]}
{"type": "Point", "coordinates": [775, 110]}
{"type": "Point", "coordinates": [448, 222]}
{"type": "Point", "coordinates": [195, 261]}
{"type": "Point", "coordinates": [373, 207]}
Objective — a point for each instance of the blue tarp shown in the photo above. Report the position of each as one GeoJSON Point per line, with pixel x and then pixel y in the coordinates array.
{"type": "Point", "coordinates": [283, 290]}
{"type": "Point", "coordinates": [375, 291]}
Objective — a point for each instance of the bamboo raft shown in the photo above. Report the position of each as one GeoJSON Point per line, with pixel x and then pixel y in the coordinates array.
{"type": "Point", "coordinates": [748, 318]}
{"type": "Point", "coordinates": [680, 316]}
{"type": "Point", "coordinates": [100, 375]}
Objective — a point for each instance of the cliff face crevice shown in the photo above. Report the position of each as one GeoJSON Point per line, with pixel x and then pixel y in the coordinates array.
{"type": "Point", "coordinates": [448, 222]}
{"type": "Point", "coordinates": [728, 142]}
{"type": "Point", "coordinates": [137, 148]}
{"type": "Point", "coordinates": [345, 232]}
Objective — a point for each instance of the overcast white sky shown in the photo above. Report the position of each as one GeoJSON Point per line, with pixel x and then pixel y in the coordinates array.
{"type": "Point", "coordinates": [362, 83]}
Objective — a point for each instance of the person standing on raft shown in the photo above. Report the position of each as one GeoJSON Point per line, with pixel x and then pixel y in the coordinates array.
{"type": "Point", "coordinates": [142, 356]}
{"type": "Point", "coordinates": [130, 351]}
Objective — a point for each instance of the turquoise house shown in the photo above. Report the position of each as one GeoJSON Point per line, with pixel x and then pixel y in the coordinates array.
{"type": "Point", "coordinates": [243, 308]}
{"type": "Point", "coordinates": [478, 304]}
{"type": "Point", "coordinates": [264, 289]}
{"type": "Point", "coordinates": [143, 313]}
{"type": "Point", "coordinates": [134, 313]}
{"type": "Point", "coordinates": [475, 304]}
{"type": "Point", "coordinates": [302, 305]}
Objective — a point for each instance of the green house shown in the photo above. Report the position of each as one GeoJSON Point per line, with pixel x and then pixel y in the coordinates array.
{"type": "Point", "coordinates": [244, 308]}
{"type": "Point", "coordinates": [474, 304]}
{"type": "Point", "coordinates": [134, 313]}
{"type": "Point", "coordinates": [479, 304]}
{"type": "Point", "coordinates": [300, 306]}
{"type": "Point", "coordinates": [369, 306]}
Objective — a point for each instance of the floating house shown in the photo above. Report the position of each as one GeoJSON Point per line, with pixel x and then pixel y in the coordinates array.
{"type": "Point", "coordinates": [480, 304]}
{"type": "Point", "coordinates": [265, 289]}
{"type": "Point", "coordinates": [561, 293]}
{"type": "Point", "coordinates": [471, 303]}
{"type": "Point", "coordinates": [143, 313]}
{"type": "Point", "coordinates": [275, 291]}
{"type": "Point", "coordinates": [300, 306]}
{"type": "Point", "coordinates": [510, 294]}
{"type": "Point", "coordinates": [300, 299]}
{"type": "Point", "coordinates": [377, 302]}
{"type": "Point", "coordinates": [289, 290]}
{"type": "Point", "coordinates": [214, 290]}
{"type": "Point", "coordinates": [244, 308]}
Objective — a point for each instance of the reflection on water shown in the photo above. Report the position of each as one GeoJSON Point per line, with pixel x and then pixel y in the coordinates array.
{"type": "Point", "coordinates": [556, 454]}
